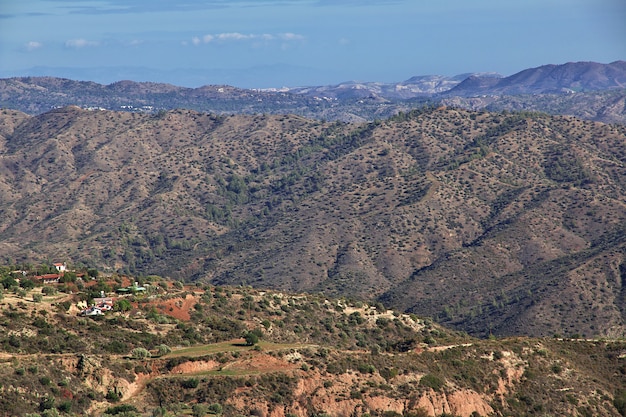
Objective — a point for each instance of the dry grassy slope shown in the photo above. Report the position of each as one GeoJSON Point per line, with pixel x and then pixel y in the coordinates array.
{"type": "Point", "coordinates": [317, 355]}
{"type": "Point", "coordinates": [490, 222]}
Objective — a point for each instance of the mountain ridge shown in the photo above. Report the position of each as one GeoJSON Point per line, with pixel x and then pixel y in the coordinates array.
{"type": "Point", "coordinates": [585, 89]}
{"type": "Point", "coordinates": [565, 78]}
{"type": "Point", "coordinates": [463, 211]}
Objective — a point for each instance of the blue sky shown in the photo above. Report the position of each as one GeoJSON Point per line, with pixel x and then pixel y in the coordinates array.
{"type": "Point", "coordinates": [274, 43]}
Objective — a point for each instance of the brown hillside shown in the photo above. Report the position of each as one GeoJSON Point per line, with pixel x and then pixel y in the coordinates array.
{"type": "Point", "coordinates": [504, 223]}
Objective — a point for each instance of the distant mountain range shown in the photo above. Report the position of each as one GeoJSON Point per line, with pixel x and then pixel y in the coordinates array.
{"type": "Point", "coordinates": [587, 90]}
{"type": "Point", "coordinates": [572, 77]}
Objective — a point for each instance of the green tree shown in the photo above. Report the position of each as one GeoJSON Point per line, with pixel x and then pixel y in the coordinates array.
{"type": "Point", "coordinates": [27, 284]}
{"type": "Point", "coordinates": [251, 339]}
{"type": "Point", "coordinates": [68, 276]}
{"type": "Point", "coordinates": [8, 282]}
{"type": "Point", "coordinates": [122, 305]}
{"type": "Point", "coordinates": [48, 290]}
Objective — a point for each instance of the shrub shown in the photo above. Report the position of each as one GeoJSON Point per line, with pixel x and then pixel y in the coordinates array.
{"type": "Point", "coordinates": [119, 409]}
{"type": "Point", "coordinates": [388, 373]}
{"type": "Point", "coordinates": [116, 346]}
{"type": "Point", "coordinates": [215, 408]}
{"type": "Point", "coordinates": [140, 353]}
{"type": "Point", "coordinates": [65, 407]}
{"type": "Point", "coordinates": [46, 403]}
{"type": "Point", "coordinates": [432, 381]}
{"type": "Point", "coordinates": [365, 368]}
{"type": "Point", "coordinates": [48, 290]}
{"type": "Point", "coordinates": [199, 410]}
{"type": "Point", "coordinates": [163, 350]}
{"type": "Point", "coordinates": [190, 383]}
{"type": "Point", "coordinates": [112, 396]}
{"type": "Point", "coordinates": [251, 338]}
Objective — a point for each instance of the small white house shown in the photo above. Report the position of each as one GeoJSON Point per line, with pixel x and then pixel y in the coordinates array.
{"type": "Point", "coordinates": [60, 267]}
{"type": "Point", "coordinates": [93, 311]}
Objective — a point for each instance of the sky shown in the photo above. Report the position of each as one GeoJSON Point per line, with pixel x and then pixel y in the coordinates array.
{"type": "Point", "coordinates": [276, 43]}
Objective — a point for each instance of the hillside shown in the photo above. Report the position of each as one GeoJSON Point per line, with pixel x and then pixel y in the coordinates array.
{"type": "Point", "coordinates": [566, 78]}
{"type": "Point", "coordinates": [490, 222]}
{"type": "Point", "coordinates": [179, 351]}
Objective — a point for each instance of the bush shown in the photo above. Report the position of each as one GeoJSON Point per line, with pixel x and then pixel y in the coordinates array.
{"type": "Point", "coordinates": [432, 381]}
{"type": "Point", "coordinates": [48, 290]}
{"type": "Point", "coordinates": [190, 383]}
{"type": "Point", "coordinates": [163, 350]}
{"type": "Point", "coordinates": [215, 408]}
{"type": "Point", "coordinates": [199, 410]}
{"type": "Point", "coordinates": [119, 409]}
{"type": "Point", "coordinates": [140, 353]}
{"type": "Point", "coordinates": [65, 407]}
{"type": "Point", "coordinates": [113, 396]}
{"type": "Point", "coordinates": [46, 403]}
{"type": "Point", "coordinates": [251, 339]}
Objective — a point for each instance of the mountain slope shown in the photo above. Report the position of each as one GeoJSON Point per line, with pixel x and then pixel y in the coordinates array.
{"type": "Point", "coordinates": [182, 351]}
{"type": "Point", "coordinates": [570, 77]}
{"type": "Point", "coordinates": [502, 223]}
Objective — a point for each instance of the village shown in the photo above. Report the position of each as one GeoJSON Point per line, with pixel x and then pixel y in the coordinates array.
{"type": "Point", "coordinates": [90, 293]}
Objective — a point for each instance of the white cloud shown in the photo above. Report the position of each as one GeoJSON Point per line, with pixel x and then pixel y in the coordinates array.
{"type": "Point", "coordinates": [239, 37]}
{"type": "Point", "coordinates": [32, 45]}
{"type": "Point", "coordinates": [235, 36]}
{"type": "Point", "coordinates": [291, 37]}
{"type": "Point", "coordinates": [80, 43]}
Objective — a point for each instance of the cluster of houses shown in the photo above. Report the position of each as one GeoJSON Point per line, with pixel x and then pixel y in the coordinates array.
{"type": "Point", "coordinates": [100, 305]}
{"type": "Point", "coordinates": [53, 278]}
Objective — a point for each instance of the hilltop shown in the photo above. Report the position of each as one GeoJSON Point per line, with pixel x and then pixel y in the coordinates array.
{"type": "Point", "coordinates": [494, 223]}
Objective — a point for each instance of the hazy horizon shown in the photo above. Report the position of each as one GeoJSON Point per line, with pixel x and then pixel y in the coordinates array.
{"type": "Point", "coordinates": [275, 43]}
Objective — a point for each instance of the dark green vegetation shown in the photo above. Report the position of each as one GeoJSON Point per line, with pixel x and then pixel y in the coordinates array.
{"type": "Point", "coordinates": [494, 223]}
{"type": "Point", "coordinates": [313, 355]}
